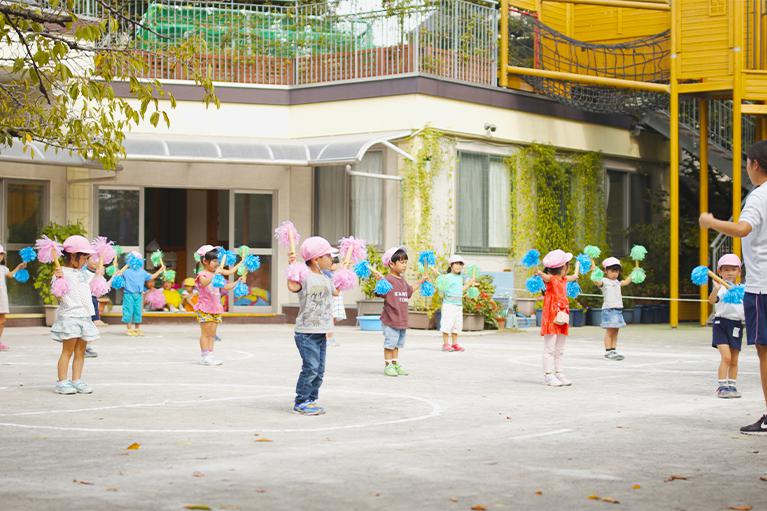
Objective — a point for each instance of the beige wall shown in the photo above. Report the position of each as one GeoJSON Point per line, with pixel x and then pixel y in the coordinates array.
{"type": "Point", "coordinates": [55, 176]}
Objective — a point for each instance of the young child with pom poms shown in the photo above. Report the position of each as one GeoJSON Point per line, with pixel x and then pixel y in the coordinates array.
{"type": "Point", "coordinates": [612, 305]}
{"type": "Point", "coordinates": [5, 273]}
{"type": "Point", "coordinates": [136, 278]}
{"type": "Point", "coordinates": [452, 285]}
{"type": "Point", "coordinates": [74, 327]}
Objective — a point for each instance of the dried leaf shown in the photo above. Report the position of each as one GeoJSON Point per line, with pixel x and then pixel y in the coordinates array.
{"type": "Point", "coordinates": [375, 494]}
{"type": "Point", "coordinates": [198, 474]}
{"type": "Point", "coordinates": [134, 447]}
{"type": "Point", "coordinates": [636, 486]}
{"type": "Point", "coordinates": [112, 488]}
{"type": "Point", "coordinates": [763, 478]}
{"type": "Point", "coordinates": [453, 499]}
{"type": "Point", "coordinates": [263, 440]}
{"type": "Point", "coordinates": [78, 481]}
{"type": "Point", "coordinates": [673, 477]}
{"type": "Point", "coordinates": [260, 490]}
{"type": "Point", "coordinates": [610, 500]}
{"type": "Point", "coordinates": [741, 508]}
{"type": "Point", "coordinates": [594, 497]}
{"type": "Point", "coordinates": [199, 507]}
{"type": "Point", "coordinates": [478, 507]}
{"type": "Point", "coordinates": [538, 492]}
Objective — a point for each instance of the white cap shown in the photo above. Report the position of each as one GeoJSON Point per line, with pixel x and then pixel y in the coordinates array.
{"type": "Point", "coordinates": [456, 259]}
{"type": "Point", "coordinates": [2, 249]}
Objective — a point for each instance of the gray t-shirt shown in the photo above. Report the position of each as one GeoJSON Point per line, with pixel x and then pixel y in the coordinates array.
{"type": "Point", "coordinates": [315, 312]}
{"type": "Point", "coordinates": [755, 244]}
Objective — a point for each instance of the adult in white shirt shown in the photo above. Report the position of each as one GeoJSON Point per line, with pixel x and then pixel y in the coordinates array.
{"type": "Point", "coordinates": [752, 227]}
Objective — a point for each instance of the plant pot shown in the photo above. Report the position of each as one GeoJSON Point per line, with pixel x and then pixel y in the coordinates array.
{"type": "Point", "coordinates": [421, 320]}
{"type": "Point", "coordinates": [501, 322]}
{"type": "Point", "coordinates": [628, 316]}
{"type": "Point", "coordinates": [473, 322]}
{"type": "Point", "coordinates": [577, 317]}
{"type": "Point", "coordinates": [50, 314]}
{"type": "Point", "coordinates": [594, 317]}
{"type": "Point", "coordinates": [525, 306]}
{"type": "Point", "coordinates": [370, 307]}
{"type": "Point", "coordinates": [638, 313]}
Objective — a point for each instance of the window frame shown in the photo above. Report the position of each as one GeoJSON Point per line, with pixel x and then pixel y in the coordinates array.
{"type": "Point", "coordinates": [46, 212]}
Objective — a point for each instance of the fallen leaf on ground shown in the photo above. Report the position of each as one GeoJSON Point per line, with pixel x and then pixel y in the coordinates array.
{"type": "Point", "coordinates": [508, 417]}
{"type": "Point", "coordinates": [538, 492]}
{"type": "Point", "coordinates": [636, 486]}
{"type": "Point", "coordinates": [198, 474]}
{"type": "Point", "coordinates": [454, 499]}
{"type": "Point", "coordinates": [673, 477]}
{"type": "Point", "coordinates": [78, 481]}
{"type": "Point", "coordinates": [112, 489]}
{"type": "Point", "coordinates": [478, 507]}
{"type": "Point", "coordinates": [375, 494]}
{"type": "Point", "coordinates": [134, 446]}
{"type": "Point", "coordinates": [610, 500]}
{"type": "Point", "coordinates": [594, 497]}
{"type": "Point", "coordinates": [199, 507]}
{"type": "Point", "coordinates": [263, 440]}
{"type": "Point", "coordinates": [740, 508]}
{"type": "Point", "coordinates": [260, 490]}
{"type": "Point", "coordinates": [763, 478]}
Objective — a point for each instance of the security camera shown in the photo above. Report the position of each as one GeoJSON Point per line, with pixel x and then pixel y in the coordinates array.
{"type": "Point", "coordinates": [490, 127]}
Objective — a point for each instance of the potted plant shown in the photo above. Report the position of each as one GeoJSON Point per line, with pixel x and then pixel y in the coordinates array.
{"type": "Point", "coordinates": [44, 275]}
{"type": "Point", "coordinates": [483, 310]}
{"type": "Point", "coordinates": [577, 314]}
{"type": "Point", "coordinates": [371, 305]}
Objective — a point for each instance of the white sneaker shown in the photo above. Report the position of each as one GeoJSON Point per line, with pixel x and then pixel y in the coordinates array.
{"type": "Point", "coordinates": [564, 380]}
{"type": "Point", "coordinates": [210, 360]}
{"type": "Point", "coordinates": [551, 380]}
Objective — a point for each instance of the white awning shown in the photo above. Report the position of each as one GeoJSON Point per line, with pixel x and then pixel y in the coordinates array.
{"type": "Point", "coordinates": [336, 150]}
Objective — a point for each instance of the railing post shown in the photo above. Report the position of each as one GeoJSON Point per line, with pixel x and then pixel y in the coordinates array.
{"type": "Point", "coordinates": [503, 74]}
{"type": "Point", "coordinates": [703, 200]}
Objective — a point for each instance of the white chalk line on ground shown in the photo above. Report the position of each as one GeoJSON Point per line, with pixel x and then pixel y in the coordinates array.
{"type": "Point", "coordinates": [621, 366]}
{"type": "Point", "coordinates": [105, 361]}
{"type": "Point", "coordinates": [435, 411]}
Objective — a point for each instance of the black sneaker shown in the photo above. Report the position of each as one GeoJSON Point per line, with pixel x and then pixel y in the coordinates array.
{"type": "Point", "coordinates": [757, 428]}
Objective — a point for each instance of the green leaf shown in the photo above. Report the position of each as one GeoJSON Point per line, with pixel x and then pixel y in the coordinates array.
{"type": "Point", "coordinates": [154, 118]}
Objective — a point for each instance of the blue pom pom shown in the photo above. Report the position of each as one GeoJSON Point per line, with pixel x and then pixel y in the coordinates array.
{"type": "Point", "coordinates": [252, 262]}
{"type": "Point", "coordinates": [241, 289]}
{"type": "Point", "coordinates": [573, 289]}
{"type": "Point", "coordinates": [362, 269]}
{"type": "Point", "coordinates": [427, 258]}
{"type": "Point", "coordinates": [734, 295]}
{"type": "Point", "coordinates": [227, 257]}
{"type": "Point", "coordinates": [27, 254]}
{"type": "Point", "coordinates": [535, 284]}
{"type": "Point", "coordinates": [699, 275]}
{"type": "Point", "coordinates": [427, 289]}
{"type": "Point", "coordinates": [134, 263]}
{"type": "Point", "coordinates": [219, 280]}
{"type": "Point", "coordinates": [22, 275]}
{"type": "Point", "coordinates": [585, 263]}
{"type": "Point", "coordinates": [118, 282]}
{"type": "Point", "coordinates": [531, 259]}
{"type": "Point", "coordinates": [383, 287]}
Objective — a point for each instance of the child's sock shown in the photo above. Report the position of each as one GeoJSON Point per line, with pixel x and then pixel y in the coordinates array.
{"type": "Point", "coordinates": [731, 383]}
{"type": "Point", "coordinates": [205, 352]}
{"type": "Point", "coordinates": [394, 361]}
{"type": "Point", "coordinates": [609, 349]}
{"type": "Point", "coordinates": [722, 383]}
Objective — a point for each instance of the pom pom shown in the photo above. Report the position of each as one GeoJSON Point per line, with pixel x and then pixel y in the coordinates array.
{"type": "Point", "coordinates": [47, 249]}
{"type": "Point", "coordinates": [59, 288]}
{"type": "Point", "coordinates": [196, 257]}
{"type": "Point", "coordinates": [156, 257]}
{"type": "Point", "coordinates": [99, 286]}
{"type": "Point", "coordinates": [169, 276]}
{"type": "Point", "coordinates": [344, 279]}
{"type": "Point", "coordinates": [118, 282]}
{"type": "Point", "coordinates": [427, 289]}
{"type": "Point", "coordinates": [573, 289]}
{"type": "Point", "coordinates": [427, 258]}
{"type": "Point", "coordinates": [134, 263]}
{"type": "Point", "coordinates": [597, 275]}
{"type": "Point", "coordinates": [638, 253]}
{"type": "Point", "coordinates": [27, 254]}
{"type": "Point", "coordinates": [252, 263]}
{"type": "Point", "coordinates": [699, 275]}
{"type": "Point", "coordinates": [592, 251]}
{"type": "Point", "coordinates": [441, 283]}
{"type": "Point", "coordinates": [531, 259]}
{"type": "Point", "coordinates": [297, 272]}
{"type": "Point", "coordinates": [535, 284]}
{"type": "Point", "coordinates": [219, 280]}
{"type": "Point", "coordinates": [119, 250]}
{"type": "Point", "coordinates": [241, 289]}
{"type": "Point", "coordinates": [638, 275]}
{"type": "Point", "coordinates": [105, 250]}
{"type": "Point", "coordinates": [244, 250]}
{"type": "Point", "coordinates": [242, 270]}
{"type": "Point", "coordinates": [357, 248]}
{"type": "Point", "coordinates": [226, 257]}
{"type": "Point", "coordinates": [383, 287]}
{"type": "Point", "coordinates": [473, 292]}
{"type": "Point", "coordinates": [284, 232]}
{"type": "Point", "coordinates": [110, 270]}
{"type": "Point", "coordinates": [21, 276]}
{"type": "Point", "coordinates": [585, 263]}
{"type": "Point", "coordinates": [156, 299]}
{"type": "Point", "coordinates": [362, 269]}
{"type": "Point", "coordinates": [734, 295]}
{"type": "Point", "coordinates": [471, 271]}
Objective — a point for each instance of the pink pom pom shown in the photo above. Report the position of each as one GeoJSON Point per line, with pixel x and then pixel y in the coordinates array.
{"type": "Point", "coordinates": [99, 286]}
{"type": "Point", "coordinates": [284, 231]}
{"type": "Point", "coordinates": [297, 272]}
{"type": "Point", "coordinates": [344, 279]}
{"type": "Point", "coordinates": [357, 247]}
{"type": "Point", "coordinates": [59, 288]}
{"type": "Point", "coordinates": [156, 299]}
{"type": "Point", "coordinates": [104, 249]}
{"type": "Point", "coordinates": [48, 250]}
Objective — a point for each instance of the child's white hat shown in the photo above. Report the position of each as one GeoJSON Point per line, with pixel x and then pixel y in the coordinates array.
{"type": "Point", "coordinates": [456, 259]}
{"type": "Point", "coordinates": [611, 261]}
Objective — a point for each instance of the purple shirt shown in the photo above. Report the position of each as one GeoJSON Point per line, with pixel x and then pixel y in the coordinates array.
{"type": "Point", "coordinates": [396, 302]}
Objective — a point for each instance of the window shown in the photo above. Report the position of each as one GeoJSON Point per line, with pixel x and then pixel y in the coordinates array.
{"type": "Point", "coordinates": [483, 204]}
{"type": "Point", "coordinates": [627, 204]}
{"type": "Point", "coordinates": [119, 214]}
{"type": "Point", "coordinates": [350, 204]}
{"type": "Point", "coordinates": [253, 220]}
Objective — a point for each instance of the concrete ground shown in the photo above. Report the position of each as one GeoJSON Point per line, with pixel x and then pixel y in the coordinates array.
{"type": "Point", "coordinates": [473, 430]}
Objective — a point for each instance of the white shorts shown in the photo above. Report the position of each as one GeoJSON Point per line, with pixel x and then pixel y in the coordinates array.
{"type": "Point", "coordinates": [452, 319]}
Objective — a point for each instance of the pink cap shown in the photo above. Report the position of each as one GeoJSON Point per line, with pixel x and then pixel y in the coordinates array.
{"type": "Point", "coordinates": [386, 257]}
{"type": "Point", "coordinates": [556, 259]}
{"type": "Point", "coordinates": [611, 261]}
{"type": "Point", "coordinates": [2, 249]}
{"type": "Point", "coordinates": [314, 247]}
{"type": "Point", "coordinates": [729, 260]}
{"type": "Point", "coordinates": [456, 259]}
{"type": "Point", "coordinates": [76, 243]}
{"type": "Point", "coordinates": [204, 250]}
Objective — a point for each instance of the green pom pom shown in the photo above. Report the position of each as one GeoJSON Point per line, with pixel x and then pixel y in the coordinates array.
{"type": "Point", "coordinates": [638, 275]}
{"type": "Point", "coordinates": [638, 252]}
{"type": "Point", "coordinates": [156, 257]}
{"type": "Point", "coordinates": [597, 275]}
{"type": "Point", "coordinates": [244, 250]}
{"type": "Point", "coordinates": [473, 293]}
{"type": "Point", "coordinates": [119, 250]}
{"type": "Point", "coordinates": [592, 251]}
{"type": "Point", "coordinates": [242, 270]}
{"type": "Point", "coordinates": [471, 271]}
{"type": "Point", "coordinates": [169, 276]}
{"type": "Point", "coordinates": [441, 283]}
{"type": "Point", "coordinates": [110, 270]}
{"type": "Point", "coordinates": [196, 258]}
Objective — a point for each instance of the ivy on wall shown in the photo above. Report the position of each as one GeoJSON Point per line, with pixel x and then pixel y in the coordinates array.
{"type": "Point", "coordinates": [417, 186]}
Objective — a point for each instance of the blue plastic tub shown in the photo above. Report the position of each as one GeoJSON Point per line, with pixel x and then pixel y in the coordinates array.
{"type": "Point", "coordinates": [371, 323]}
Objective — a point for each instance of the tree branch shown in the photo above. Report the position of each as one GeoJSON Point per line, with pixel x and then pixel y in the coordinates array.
{"type": "Point", "coordinates": [39, 73]}
{"type": "Point", "coordinates": [38, 16]}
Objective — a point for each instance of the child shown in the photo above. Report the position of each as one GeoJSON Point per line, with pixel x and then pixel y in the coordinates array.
{"type": "Point", "coordinates": [728, 326]}
{"type": "Point", "coordinates": [133, 296]}
{"type": "Point", "coordinates": [752, 227]}
{"type": "Point", "coordinates": [453, 287]}
{"type": "Point", "coordinates": [188, 294]}
{"type": "Point", "coordinates": [556, 310]}
{"type": "Point", "coordinates": [394, 317]}
{"type": "Point", "coordinates": [612, 305]}
{"type": "Point", "coordinates": [209, 307]}
{"type": "Point", "coordinates": [314, 321]}
{"type": "Point", "coordinates": [339, 309]}
{"type": "Point", "coordinates": [73, 327]}
{"type": "Point", "coordinates": [172, 298]}
{"type": "Point", "coordinates": [151, 287]}
{"type": "Point", "coordinates": [4, 307]}
{"type": "Point", "coordinates": [90, 271]}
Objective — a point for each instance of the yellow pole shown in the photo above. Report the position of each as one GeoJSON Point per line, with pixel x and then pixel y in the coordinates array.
{"type": "Point", "coordinates": [737, 119]}
{"type": "Point", "coordinates": [703, 202]}
{"type": "Point", "coordinates": [503, 73]}
{"type": "Point", "coordinates": [590, 79]}
{"type": "Point", "coordinates": [674, 173]}
{"type": "Point", "coordinates": [627, 4]}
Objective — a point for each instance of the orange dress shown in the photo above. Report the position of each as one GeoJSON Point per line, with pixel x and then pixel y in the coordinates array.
{"type": "Point", "coordinates": [555, 300]}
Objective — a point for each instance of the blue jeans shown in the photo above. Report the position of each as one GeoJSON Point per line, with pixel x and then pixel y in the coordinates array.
{"type": "Point", "coordinates": [95, 316]}
{"type": "Point", "coordinates": [312, 349]}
